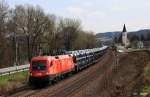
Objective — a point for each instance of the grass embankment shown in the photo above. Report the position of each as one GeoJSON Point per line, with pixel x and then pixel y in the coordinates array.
{"type": "Point", "coordinates": [12, 81]}
{"type": "Point", "coordinates": [19, 76]}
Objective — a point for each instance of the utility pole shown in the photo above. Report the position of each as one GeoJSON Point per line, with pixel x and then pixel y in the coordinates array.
{"type": "Point", "coordinates": [16, 50]}
{"type": "Point", "coordinates": [16, 53]}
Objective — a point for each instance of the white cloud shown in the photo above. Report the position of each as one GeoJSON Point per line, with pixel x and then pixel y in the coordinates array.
{"type": "Point", "coordinates": [97, 14]}
{"type": "Point", "coordinates": [88, 4]}
{"type": "Point", "coordinates": [119, 8]}
{"type": "Point", "coordinates": [75, 10]}
{"type": "Point", "coordinates": [104, 16]}
{"type": "Point", "coordinates": [129, 5]}
{"type": "Point", "coordinates": [85, 12]}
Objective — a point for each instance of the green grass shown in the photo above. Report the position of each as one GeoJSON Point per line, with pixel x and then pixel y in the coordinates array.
{"type": "Point", "coordinates": [131, 49]}
{"type": "Point", "coordinates": [146, 89]}
{"type": "Point", "coordinates": [19, 76]}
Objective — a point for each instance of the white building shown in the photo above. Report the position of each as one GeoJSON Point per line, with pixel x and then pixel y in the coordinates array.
{"type": "Point", "coordinates": [125, 40]}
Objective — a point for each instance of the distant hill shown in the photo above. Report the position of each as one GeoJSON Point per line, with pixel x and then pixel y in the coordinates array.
{"type": "Point", "coordinates": [108, 35]}
{"type": "Point", "coordinates": [141, 34]}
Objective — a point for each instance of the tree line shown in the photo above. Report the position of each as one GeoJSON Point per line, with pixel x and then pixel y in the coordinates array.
{"type": "Point", "coordinates": [27, 31]}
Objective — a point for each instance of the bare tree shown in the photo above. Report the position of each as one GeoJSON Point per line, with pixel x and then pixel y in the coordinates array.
{"type": "Point", "coordinates": [26, 30]}
{"type": "Point", "coordinates": [148, 36]}
{"type": "Point", "coordinates": [69, 29]}
{"type": "Point", "coordinates": [3, 15]}
{"type": "Point", "coordinates": [32, 23]}
{"type": "Point", "coordinates": [3, 19]}
{"type": "Point", "coordinates": [50, 34]}
{"type": "Point", "coordinates": [85, 40]}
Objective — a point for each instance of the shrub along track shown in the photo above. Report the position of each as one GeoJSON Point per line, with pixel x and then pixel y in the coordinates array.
{"type": "Point", "coordinates": [72, 85]}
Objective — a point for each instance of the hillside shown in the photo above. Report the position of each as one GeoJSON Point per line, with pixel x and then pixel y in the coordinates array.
{"type": "Point", "coordinates": [108, 35]}
{"type": "Point", "coordinates": [143, 35]}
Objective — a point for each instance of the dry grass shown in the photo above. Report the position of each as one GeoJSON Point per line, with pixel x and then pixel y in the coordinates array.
{"type": "Point", "coordinates": [12, 82]}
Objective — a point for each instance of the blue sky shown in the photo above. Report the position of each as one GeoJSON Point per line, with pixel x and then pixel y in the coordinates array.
{"type": "Point", "coordinates": [98, 15]}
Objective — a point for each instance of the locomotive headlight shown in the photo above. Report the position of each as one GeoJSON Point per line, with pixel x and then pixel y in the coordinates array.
{"type": "Point", "coordinates": [47, 73]}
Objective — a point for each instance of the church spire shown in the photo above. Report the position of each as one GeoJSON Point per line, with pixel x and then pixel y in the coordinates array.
{"type": "Point", "coordinates": [124, 28]}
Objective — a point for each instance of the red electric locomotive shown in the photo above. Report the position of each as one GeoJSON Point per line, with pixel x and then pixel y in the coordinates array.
{"type": "Point", "coordinates": [47, 68]}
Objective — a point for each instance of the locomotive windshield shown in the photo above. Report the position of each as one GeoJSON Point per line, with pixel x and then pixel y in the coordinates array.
{"type": "Point", "coordinates": [39, 65]}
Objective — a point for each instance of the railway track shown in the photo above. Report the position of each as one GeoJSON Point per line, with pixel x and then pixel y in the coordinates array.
{"type": "Point", "coordinates": [66, 88]}
{"type": "Point", "coordinates": [76, 85]}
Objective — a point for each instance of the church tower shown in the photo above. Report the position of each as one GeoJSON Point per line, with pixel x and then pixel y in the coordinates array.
{"type": "Point", "coordinates": [125, 40]}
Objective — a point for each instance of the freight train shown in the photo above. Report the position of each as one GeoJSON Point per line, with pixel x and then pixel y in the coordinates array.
{"type": "Point", "coordinates": [45, 69]}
